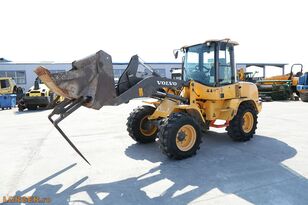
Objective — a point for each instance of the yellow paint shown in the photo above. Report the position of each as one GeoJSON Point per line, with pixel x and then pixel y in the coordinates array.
{"type": "Point", "coordinates": [241, 74]}
{"type": "Point", "coordinates": [294, 80]}
{"type": "Point", "coordinates": [147, 132]}
{"type": "Point", "coordinates": [189, 135]}
{"type": "Point", "coordinates": [155, 103]}
{"type": "Point", "coordinates": [211, 103]}
{"type": "Point", "coordinates": [164, 109]}
{"type": "Point", "coordinates": [34, 94]}
{"type": "Point", "coordinates": [248, 122]}
{"type": "Point", "coordinates": [222, 102]}
{"type": "Point", "coordinates": [140, 92]}
{"type": "Point", "coordinates": [192, 109]}
{"type": "Point", "coordinates": [10, 88]}
{"type": "Point", "coordinates": [277, 77]}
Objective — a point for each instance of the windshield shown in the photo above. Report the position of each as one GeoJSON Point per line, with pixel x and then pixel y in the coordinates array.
{"type": "Point", "coordinates": [199, 64]}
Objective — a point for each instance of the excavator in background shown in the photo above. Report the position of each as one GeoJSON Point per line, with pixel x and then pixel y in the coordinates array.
{"type": "Point", "coordinates": [184, 108]}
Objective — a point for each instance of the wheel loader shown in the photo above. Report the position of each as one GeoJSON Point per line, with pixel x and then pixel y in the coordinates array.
{"type": "Point", "coordinates": [184, 108]}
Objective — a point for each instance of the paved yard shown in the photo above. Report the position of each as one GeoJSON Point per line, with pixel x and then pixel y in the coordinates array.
{"type": "Point", "coordinates": [36, 161]}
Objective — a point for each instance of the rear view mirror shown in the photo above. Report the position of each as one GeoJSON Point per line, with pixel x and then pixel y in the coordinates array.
{"type": "Point", "coordinates": [176, 53]}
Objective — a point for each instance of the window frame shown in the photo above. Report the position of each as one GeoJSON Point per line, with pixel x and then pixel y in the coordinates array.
{"type": "Point", "coordinates": [15, 77]}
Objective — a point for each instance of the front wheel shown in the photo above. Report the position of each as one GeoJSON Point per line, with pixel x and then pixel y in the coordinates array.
{"type": "Point", "coordinates": [138, 125]}
{"type": "Point", "coordinates": [243, 126]}
{"type": "Point", "coordinates": [179, 136]}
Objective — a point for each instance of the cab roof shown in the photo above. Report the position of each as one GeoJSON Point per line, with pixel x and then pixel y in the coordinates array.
{"type": "Point", "coordinates": [226, 41]}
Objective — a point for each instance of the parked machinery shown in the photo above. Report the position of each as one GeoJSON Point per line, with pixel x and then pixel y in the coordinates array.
{"type": "Point", "coordinates": [208, 91]}
{"type": "Point", "coordinates": [7, 85]}
{"type": "Point", "coordinates": [176, 73]}
{"type": "Point", "coordinates": [281, 87]}
{"type": "Point", "coordinates": [9, 92]}
{"type": "Point", "coordinates": [243, 75]}
{"type": "Point", "coordinates": [302, 87]}
{"type": "Point", "coordinates": [38, 96]}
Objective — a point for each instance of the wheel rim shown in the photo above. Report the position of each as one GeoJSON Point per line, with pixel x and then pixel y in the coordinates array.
{"type": "Point", "coordinates": [186, 138]}
{"type": "Point", "coordinates": [248, 121]}
{"type": "Point", "coordinates": [147, 132]}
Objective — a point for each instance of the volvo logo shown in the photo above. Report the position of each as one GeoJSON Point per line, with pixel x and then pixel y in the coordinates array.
{"type": "Point", "coordinates": [160, 82]}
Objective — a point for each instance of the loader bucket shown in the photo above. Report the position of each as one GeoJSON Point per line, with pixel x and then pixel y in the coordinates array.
{"type": "Point", "coordinates": [91, 78]}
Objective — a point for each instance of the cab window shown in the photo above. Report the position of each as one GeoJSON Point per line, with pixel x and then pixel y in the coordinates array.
{"type": "Point", "coordinates": [4, 84]}
{"type": "Point", "coordinates": [226, 75]}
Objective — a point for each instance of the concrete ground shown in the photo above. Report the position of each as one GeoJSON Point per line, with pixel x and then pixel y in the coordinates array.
{"type": "Point", "coordinates": [36, 161]}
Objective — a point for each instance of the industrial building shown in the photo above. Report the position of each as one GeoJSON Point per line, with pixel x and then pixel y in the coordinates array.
{"type": "Point", "coordinates": [24, 76]}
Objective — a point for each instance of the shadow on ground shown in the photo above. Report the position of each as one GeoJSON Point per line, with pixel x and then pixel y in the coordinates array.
{"type": "Point", "coordinates": [252, 171]}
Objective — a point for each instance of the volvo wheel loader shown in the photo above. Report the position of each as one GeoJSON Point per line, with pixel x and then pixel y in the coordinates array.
{"type": "Point", "coordinates": [184, 108]}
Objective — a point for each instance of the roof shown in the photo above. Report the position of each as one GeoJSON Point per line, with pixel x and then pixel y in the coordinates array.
{"type": "Point", "coordinates": [4, 60]}
{"type": "Point", "coordinates": [262, 65]}
{"type": "Point", "coordinates": [226, 40]}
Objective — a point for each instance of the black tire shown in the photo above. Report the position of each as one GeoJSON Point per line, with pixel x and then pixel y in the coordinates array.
{"type": "Point", "coordinates": [236, 128]}
{"type": "Point", "coordinates": [32, 107]}
{"type": "Point", "coordinates": [170, 131]}
{"type": "Point", "coordinates": [136, 120]}
{"type": "Point", "coordinates": [304, 97]}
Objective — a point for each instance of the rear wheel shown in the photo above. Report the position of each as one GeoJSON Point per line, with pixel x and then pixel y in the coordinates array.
{"type": "Point", "coordinates": [243, 126]}
{"type": "Point", "coordinates": [304, 97]}
{"type": "Point", "coordinates": [179, 136]}
{"type": "Point", "coordinates": [138, 126]}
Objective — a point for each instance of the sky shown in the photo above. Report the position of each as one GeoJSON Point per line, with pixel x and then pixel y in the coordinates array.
{"type": "Point", "coordinates": [64, 31]}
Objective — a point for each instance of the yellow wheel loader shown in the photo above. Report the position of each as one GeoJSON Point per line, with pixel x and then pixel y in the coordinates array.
{"type": "Point", "coordinates": [208, 91]}
{"type": "Point", "coordinates": [8, 86]}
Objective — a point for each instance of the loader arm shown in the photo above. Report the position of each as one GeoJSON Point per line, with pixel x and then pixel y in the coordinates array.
{"type": "Point", "coordinates": [90, 83]}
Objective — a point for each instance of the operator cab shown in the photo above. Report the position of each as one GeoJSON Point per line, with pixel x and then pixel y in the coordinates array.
{"type": "Point", "coordinates": [210, 63]}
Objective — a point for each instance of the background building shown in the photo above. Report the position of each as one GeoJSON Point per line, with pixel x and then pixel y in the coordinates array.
{"type": "Point", "coordinates": [24, 76]}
